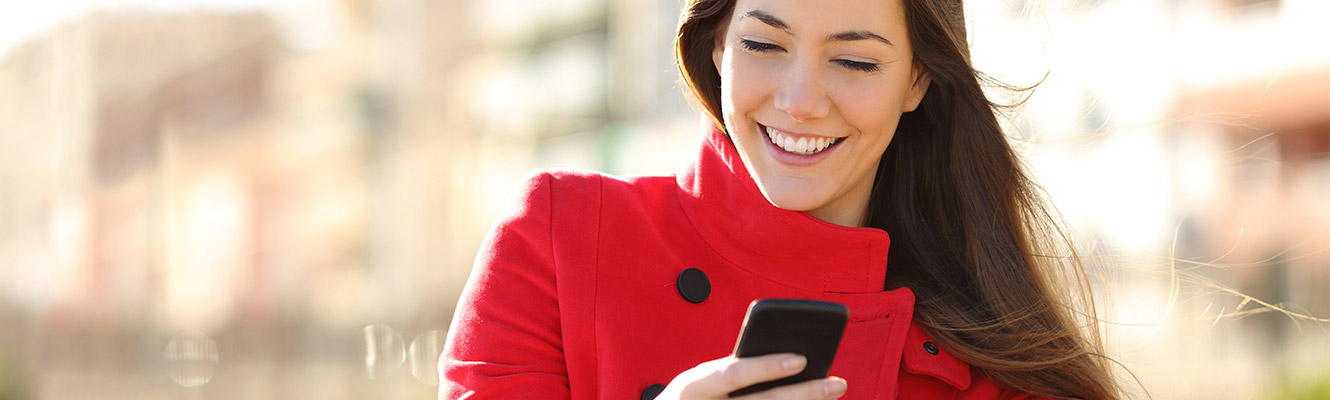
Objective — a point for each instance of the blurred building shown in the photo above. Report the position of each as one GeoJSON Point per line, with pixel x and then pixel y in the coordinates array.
{"type": "Point", "coordinates": [1190, 141]}
{"type": "Point", "coordinates": [278, 180]}
{"type": "Point", "coordinates": [1258, 221]}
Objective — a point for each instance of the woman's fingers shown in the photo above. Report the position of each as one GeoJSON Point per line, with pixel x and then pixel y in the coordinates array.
{"type": "Point", "coordinates": [717, 378]}
{"type": "Point", "coordinates": [744, 372]}
{"type": "Point", "coordinates": [829, 388]}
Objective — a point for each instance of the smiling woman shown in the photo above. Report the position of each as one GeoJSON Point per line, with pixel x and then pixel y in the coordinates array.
{"type": "Point", "coordinates": [837, 130]}
{"type": "Point", "coordinates": [813, 100]}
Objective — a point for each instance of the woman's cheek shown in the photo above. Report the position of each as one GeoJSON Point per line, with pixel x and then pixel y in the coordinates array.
{"type": "Point", "coordinates": [869, 106]}
{"type": "Point", "coordinates": [749, 78]}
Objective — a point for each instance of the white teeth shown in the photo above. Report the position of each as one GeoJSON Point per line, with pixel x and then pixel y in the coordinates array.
{"type": "Point", "coordinates": [804, 146]}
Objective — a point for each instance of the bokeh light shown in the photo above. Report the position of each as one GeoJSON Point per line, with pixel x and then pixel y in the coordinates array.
{"type": "Point", "coordinates": [384, 351]}
{"type": "Point", "coordinates": [424, 355]}
{"type": "Point", "coordinates": [192, 359]}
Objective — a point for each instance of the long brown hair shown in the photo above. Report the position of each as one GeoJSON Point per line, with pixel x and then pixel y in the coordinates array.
{"type": "Point", "coordinates": [995, 274]}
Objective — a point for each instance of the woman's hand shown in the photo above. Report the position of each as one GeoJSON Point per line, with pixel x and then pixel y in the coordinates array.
{"type": "Point", "coordinates": [715, 379]}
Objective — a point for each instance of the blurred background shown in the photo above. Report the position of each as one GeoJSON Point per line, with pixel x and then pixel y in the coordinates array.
{"type": "Point", "coordinates": [248, 199]}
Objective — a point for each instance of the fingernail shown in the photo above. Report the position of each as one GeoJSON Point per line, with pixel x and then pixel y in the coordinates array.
{"type": "Point", "coordinates": [835, 386]}
{"type": "Point", "coordinates": [795, 363]}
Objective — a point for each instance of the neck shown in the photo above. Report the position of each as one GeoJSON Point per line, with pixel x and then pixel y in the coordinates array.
{"type": "Point", "coordinates": [849, 209]}
{"type": "Point", "coordinates": [850, 219]}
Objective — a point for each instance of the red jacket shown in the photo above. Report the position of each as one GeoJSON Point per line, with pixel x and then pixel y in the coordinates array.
{"type": "Point", "coordinates": [574, 292]}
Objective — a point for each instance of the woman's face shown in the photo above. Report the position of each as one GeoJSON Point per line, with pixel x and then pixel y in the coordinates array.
{"type": "Point", "coordinates": [811, 94]}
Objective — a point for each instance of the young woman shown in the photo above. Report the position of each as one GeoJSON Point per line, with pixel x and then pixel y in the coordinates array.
{"type": "Point", "coordinates": [850, 156]}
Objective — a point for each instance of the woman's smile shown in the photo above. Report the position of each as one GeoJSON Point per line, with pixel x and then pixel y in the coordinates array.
{"type": "Point", "coordinates": [798, 149]}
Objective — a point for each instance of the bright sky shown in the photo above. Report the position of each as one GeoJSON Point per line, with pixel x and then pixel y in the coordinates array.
{"type": "Point", "coordinates": [23, 20]}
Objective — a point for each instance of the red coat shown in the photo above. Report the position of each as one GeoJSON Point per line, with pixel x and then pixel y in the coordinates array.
{"type": "Point", "coordinates": [574, 293]}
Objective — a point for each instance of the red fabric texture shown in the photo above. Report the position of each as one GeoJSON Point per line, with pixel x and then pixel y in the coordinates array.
{"type": "Point", "coordinates": [573, 293]}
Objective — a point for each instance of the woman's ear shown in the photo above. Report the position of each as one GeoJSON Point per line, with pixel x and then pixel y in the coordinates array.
{"type": "Point", "coordinates": [718, 51]}
{"type": "Point", "coordinates": [718, 44]}
{"type": "Point", "coordinates": [917, 89]}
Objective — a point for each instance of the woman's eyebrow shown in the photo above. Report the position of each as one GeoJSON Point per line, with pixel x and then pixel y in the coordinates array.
{"type": "Point", "coordinates": [768, 19]}
{"type": "Point", "coordinates": [846, 36]}
{"type": "Point", "coordinates": [857, 35]}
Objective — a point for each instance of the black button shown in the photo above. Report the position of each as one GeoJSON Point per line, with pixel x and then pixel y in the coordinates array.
{"type": "Point", "coordinates": [693, 285]}
{"type": "Point", "coordinates": [652, 391]}
{"type": "Point", "coordinates": [930, 348]}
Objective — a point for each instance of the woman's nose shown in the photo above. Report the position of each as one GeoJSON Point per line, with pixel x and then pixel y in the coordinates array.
{"type": "Point", "coordinates": [802, 95]}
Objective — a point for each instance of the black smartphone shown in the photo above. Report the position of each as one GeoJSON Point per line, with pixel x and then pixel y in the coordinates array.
{"type": "Point", "coordinates": [808, 327]}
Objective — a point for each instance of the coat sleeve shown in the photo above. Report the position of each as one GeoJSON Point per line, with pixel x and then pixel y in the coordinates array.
{"type": "Point", "coordinates": [505, 341]}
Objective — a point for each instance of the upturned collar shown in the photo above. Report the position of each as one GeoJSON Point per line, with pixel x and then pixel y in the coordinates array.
{"type": "Point", "coordinates": [724, 204]}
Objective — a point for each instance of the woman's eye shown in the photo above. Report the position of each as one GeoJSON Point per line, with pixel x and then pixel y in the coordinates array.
{"type": "Point", "coordinates": [857, 65]}
{"type": "Point", "coordinates": [752, 45]}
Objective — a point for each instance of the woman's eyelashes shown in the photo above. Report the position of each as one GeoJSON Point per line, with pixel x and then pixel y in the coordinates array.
{"type": "Point", "coordinates": [764, 47]}
{"type": "Point", "coordinates": [857, 65]}
{"type": "Point", "coordinates": [753, 45]}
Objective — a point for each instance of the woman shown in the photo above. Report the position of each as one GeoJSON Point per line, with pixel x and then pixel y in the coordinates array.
{"type": "Point", "coordinates": [837, 130]}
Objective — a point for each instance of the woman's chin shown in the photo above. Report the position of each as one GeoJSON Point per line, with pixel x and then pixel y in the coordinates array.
{"type": "Point", "coordinates": [793, 200]}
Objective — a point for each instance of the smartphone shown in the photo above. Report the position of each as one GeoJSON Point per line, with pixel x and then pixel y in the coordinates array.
{"type": "Point", "coordinates": [808, 327]}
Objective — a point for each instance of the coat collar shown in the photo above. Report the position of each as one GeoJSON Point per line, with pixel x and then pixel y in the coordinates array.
{"type": "Point", "coordinates": [723, 203]}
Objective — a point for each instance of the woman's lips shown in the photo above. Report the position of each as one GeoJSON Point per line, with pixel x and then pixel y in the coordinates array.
{"type": "Point", "coordinates": [797, 150]}
{"type": "Point", "coordinates": [804, 145]}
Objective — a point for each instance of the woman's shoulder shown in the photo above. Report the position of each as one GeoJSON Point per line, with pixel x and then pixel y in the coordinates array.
{"type": "Point", "coordinates": [571, 183]}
